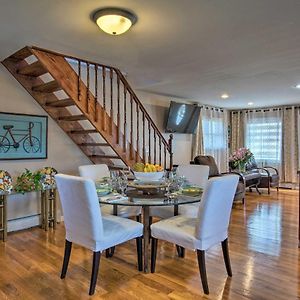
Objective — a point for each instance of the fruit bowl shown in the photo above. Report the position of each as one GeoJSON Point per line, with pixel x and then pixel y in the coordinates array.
{"type": "Point", "coordinates": [149, 176]}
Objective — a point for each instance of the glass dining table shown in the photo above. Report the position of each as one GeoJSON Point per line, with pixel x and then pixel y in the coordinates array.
{"type": "Point", "coordinates": [145, 201]}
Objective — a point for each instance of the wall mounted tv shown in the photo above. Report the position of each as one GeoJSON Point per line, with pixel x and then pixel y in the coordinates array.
{"type": "Point", "coordinates": [182, 117]}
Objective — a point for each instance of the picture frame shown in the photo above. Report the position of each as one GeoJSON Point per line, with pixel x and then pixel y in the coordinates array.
{"type": "Point", "coordinates": [23, 136]}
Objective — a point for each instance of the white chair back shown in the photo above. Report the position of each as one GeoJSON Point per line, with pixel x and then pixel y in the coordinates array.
{"type": "Point", "coordinates": [94, 172]}
{"type": "Point", "coordinates": [195, 174]}
{"type": "Point", "coordinates": [215, 208]}
{"type": "Point", "coordinates": [81, 210]}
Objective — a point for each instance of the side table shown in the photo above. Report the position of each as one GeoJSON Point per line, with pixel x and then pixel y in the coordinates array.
{"type": "Point", "coordinates": [3, 216]}
{"type": "Point", "coordinates": [48, 208]}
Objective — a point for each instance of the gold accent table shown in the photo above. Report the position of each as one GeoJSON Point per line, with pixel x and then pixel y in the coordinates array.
{"type": "Point", "coordinates": [48, 208]}
{"type": "Point", "coordinates": [3, 216]}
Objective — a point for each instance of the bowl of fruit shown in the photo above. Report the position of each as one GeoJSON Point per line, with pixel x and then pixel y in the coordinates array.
{"type": "Point", "coordinates": [148, 172]}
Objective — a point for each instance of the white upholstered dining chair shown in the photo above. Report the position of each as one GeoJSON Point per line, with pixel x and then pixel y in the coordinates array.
{"type": "Point", "coordinates": [209, 228]}
{"type": "Point", "coordinates": [196, 175]}
{"type": "Point", "coordinates": [97, 172]}
{"type": "Point", "coordinates": [86, 226]}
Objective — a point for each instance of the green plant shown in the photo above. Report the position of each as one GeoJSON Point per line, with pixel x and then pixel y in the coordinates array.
{"type": "Point", "coordinates": [28, 182]}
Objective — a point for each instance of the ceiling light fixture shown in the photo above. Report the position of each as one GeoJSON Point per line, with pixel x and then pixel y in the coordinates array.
{"type": "Point", "coordinates": [250, 103]}
{"type": "Point", "coordinates": [114, 20]}
{"type": "Point", "coordinates": [224, 96]}
{"type": "Point", "coordinates": [297, 86]}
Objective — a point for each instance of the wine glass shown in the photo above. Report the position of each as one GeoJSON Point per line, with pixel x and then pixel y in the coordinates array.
{"type": "Point", "coordinates": [169, 180]}
{"type": "Point", "coordinates": [114, 180]}
{"type": "Point", "coordinates": [122, 183]}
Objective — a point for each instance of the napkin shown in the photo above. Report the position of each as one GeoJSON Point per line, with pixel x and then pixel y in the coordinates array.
{"type": "Point", "coordinates": [113, 197]}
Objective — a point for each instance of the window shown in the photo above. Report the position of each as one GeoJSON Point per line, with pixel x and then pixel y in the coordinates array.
{"type": "Point", "coordinates": [213, 135]}
{"type": "Point", "coordinates": [264, 138]}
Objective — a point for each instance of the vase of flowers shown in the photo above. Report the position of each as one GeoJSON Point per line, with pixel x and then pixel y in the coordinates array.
{"type": "Point", "coordinates": [47, 177]}
{"type": "Point", "coordinates": [5, 182]}
{"type": "Point", "coordinates": [239, 159]}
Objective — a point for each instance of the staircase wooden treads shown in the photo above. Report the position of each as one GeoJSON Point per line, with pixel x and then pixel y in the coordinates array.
{"type": "Point", "coordinates": [61, 103]}
{"type": "Point", "coordinates": [94, 144]}
{"type": "Point", "coordinates": [35, 69]}
{"type": "Point", "coordinates": [72, 118]}
{"type": "Point", "coordinates": [48, 87]}
{"type": "Point", "coordinates": [87, 131]}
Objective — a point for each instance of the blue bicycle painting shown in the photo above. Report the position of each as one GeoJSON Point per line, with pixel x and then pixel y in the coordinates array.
{"type": "Point", "coordinates": [23, 136]}
{"type": "Point", "coordinates": [16, 137]}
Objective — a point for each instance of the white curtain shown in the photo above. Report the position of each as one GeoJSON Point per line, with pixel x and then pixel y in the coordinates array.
{"type": "Point", "coordinates": [214, 123]}
{"type": "Point", "coordinates": [263, 136]}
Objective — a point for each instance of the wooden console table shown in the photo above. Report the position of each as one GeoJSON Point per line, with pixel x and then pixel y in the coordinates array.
{"type": "Point", "coordinates": [48, 210]}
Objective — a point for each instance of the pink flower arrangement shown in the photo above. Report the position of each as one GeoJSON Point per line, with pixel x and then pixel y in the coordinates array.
{"type": "Point", "coordinates": [240, 158]}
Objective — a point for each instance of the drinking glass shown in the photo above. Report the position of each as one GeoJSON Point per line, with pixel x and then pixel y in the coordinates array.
{"type": "Point", "coordinates": [122, 184]}
{"type": "Point", "coordinates": [169, 180]}
{"type": "Point", "coordinates": [114, 180]}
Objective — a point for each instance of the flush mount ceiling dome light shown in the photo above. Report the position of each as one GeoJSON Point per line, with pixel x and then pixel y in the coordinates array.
{"type": "Point", "coordinates": [114, 20]}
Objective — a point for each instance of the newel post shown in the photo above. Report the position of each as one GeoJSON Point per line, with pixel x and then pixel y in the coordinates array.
{"type": "Point", "coordinates": [171, 150]}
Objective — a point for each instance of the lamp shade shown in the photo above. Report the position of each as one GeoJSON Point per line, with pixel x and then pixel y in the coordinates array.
{"type": "Point", "coordinates": [114, 21]}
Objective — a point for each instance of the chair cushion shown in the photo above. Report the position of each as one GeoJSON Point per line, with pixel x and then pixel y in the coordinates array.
{"type": "Point", "coordinates": [251, 175]}
{"type": "Point", "coordinates": [274, 180]}
{"type": "Point", "coordinates": [180, 230]}
{"type": "Point", "coordinates": [117, 231]}
{"type": "Point", "coordinates": [208, 161]}
{"type": "Point", "coordinates": [165, 212]}
{"type": "Point", "coordinates": [123, 211]}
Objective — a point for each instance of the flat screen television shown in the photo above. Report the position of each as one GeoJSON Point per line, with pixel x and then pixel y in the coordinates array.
{"type": "Point", "coordinates": [182, 117]}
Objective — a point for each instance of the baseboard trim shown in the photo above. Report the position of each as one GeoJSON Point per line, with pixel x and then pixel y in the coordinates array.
{"type": "Point", "coordinates": [23, 223]}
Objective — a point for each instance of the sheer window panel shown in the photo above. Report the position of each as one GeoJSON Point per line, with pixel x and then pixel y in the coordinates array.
{"type": "Point", "coordinates": [263, 136]}
{"type": "Point", "coordinates": [215, 143]}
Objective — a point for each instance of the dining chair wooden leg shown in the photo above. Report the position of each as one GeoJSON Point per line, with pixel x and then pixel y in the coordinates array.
{"type": "Point", "coordinates": [153, 254]}
{"type": "Point", "coordinates": [226, 257]}
{"type": "Point", "coordinates": [139, 249]}
{"type": "Point", "coordinates": [180, 251]}
{"type": "Point", "coordinates": [95, 269]}
{"type": "Point", "coordinates": [110, 252]}
{"type": "Point", "coordinates": [68, 248]}
{"type": "Point", "coordinates": [202, 269]}
{"type": "Point", "coordinates": [139, 218]}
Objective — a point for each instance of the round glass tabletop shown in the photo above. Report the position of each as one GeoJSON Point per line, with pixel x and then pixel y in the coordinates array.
{"type": "Point", "coordinates": [136, 199]}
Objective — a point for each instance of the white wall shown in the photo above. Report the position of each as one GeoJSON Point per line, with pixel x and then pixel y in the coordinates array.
{"type": "Point", "coordinates": [157, 106]}
{"type": "Point", "coordinates": [63, 154]}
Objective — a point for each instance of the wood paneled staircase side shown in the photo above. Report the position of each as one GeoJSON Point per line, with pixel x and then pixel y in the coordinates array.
{"type": "Point", "coordinates": [65, 78]}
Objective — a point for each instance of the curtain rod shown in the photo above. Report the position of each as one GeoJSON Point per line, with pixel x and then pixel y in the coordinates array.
{"type": "Point", "coordinates": [212, 108]}
{"type": "Point", "coordinates": [264, 109]}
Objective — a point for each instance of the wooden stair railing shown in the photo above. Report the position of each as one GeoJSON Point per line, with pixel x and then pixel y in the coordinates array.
{"type": "Point", "coordinates": [99, 109]}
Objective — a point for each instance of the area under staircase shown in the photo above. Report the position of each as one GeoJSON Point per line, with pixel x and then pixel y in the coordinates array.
{"type": "Point", "coordinates": [94, 104]}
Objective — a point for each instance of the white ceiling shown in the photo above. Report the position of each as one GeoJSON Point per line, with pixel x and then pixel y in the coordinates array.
{"type": "Point", "coordinates": [193, 49]}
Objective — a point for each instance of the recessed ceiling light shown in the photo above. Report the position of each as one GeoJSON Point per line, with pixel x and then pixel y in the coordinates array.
{"type": "Point", "coordinates": [250, 103]}
{"type": "Point", "coordinates": [224, 96]}
{"type": "Point", "coordinates": [114, 20]}
{"type": "Point", "coordinates": [297, 86]}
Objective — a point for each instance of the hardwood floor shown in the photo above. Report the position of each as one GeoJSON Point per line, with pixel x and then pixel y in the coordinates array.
{"type": "Point", "coordinates": [263, 244]}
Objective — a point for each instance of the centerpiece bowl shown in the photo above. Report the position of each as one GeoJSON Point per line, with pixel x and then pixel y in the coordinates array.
{"type": "Point", "coordinates": [148, 176]}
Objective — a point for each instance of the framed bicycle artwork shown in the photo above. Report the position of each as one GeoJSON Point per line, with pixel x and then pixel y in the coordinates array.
{"type": "Point", "coordinates": [23, 136]}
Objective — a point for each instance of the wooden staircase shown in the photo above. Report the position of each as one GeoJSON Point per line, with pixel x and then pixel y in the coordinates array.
{"type": "Point", "coordinates": [94, 104]}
